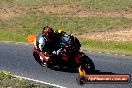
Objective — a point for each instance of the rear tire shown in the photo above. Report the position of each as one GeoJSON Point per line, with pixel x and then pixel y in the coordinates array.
{"type": "Point", "coordinates": [81, 80]}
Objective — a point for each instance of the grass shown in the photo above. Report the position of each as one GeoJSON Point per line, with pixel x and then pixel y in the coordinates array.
{"type": "Point", "coordinates": [16, 29]}
{"type": "Point", "coordinates": [9, 81]}
{"type": "Point", "coordinates": [107, 46]}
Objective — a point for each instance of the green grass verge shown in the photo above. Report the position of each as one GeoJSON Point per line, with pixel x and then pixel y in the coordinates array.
{"type": "Point", "coordinates": [16, 29]}
{"type": "Point", "coordinates": [9, 81]}
{"type": "Point", "coordinates": [107, 46]}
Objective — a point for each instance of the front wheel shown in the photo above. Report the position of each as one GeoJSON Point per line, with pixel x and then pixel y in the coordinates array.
{"type": "Point", "coordinates": [88, 65]}
{"type": "Point", "coordinates": [39, 60]}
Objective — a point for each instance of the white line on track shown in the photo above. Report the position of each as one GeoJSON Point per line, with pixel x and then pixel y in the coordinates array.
{"type": "Point", "coordinates": [39, 81]}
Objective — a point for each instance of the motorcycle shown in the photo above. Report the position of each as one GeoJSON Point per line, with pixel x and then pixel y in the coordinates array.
{"type": "Point", "coordinates": [70, 56]}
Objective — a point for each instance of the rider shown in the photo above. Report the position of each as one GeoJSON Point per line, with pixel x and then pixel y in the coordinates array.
{"type": "Point", "coordinates": [48, 35]}
{"type": "Point", "coordinates": [48, 41]}
{"type": "Point", "coordinates": [52, 45]}
{"type": "Point", "coordinates": [54, 42]}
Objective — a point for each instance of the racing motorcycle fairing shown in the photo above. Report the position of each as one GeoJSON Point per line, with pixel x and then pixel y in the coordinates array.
{"type": "Point", "coordinates": [71, 58]}
{"type": "Point", "coordinates": [31, 38]}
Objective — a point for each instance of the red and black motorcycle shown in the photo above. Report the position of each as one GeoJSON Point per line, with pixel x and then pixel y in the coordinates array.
{"type": "Point", "coordinates": [70, 56]}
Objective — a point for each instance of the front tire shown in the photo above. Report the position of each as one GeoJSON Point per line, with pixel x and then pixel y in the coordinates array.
{"type": "Point", "coordinates": [37, 58]}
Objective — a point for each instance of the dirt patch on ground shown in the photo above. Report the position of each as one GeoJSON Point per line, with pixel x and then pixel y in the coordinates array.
{"type": "Point", "coordinates": [14, 10]}
{"type": "Point", "coordinates": [65, 9]}
{"type": "Point", "coordinates": [120, 35]}
{"type": "Point", "coordinates": [9, 15]}
{"type": "Point", "coordinates": [78, 11]}
{"type": "Point", "coordinates": [11, 10]}
{"type": "Point", "coordinates": [126, 14]}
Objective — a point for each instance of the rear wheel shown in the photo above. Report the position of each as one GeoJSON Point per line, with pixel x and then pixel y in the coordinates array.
{"type": "Point", "coordinates": [81, 80]}
{"type": "Point", "coordinates": [88, 65]}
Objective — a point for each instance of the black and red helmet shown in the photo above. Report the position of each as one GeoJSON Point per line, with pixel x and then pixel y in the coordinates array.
{"type": "Point", "coordinates": [48, 32]}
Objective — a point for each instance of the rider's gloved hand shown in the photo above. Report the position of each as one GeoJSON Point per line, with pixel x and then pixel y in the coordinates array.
{"type": "Point", "coordinates": [54, 53]}
{"type": "Point", "coordinates": [57, 52]}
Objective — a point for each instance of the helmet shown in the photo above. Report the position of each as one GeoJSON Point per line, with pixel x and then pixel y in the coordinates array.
{"type": "Point", "coordinates": [48, 33]}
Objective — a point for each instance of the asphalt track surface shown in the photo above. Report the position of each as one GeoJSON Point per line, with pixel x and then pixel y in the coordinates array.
{"type": "Point", "coordinates": [18, 59]}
